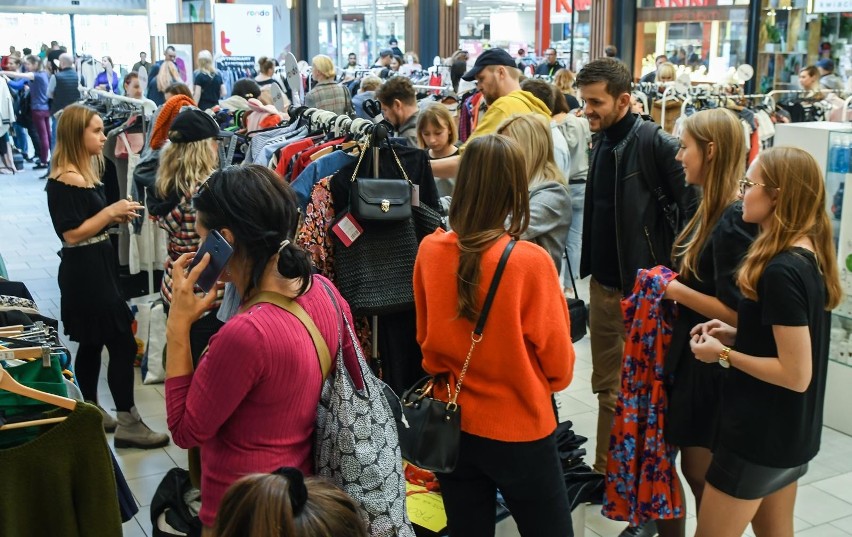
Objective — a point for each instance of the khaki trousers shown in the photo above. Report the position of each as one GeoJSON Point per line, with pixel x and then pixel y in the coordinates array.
{"type": "Point", "coordinates": [607, 334]}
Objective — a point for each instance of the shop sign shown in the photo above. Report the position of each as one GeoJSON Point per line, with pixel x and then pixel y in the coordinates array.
{"type": "Point", "coordinates": [722, 13]}
{"type": "Point", "coordinates": [560, 10]}
{"type": "Point", "coordinates": [684, 3]}
{"type": "Point", "coordinates": [832, 6]}
{"type": "Point", "coordinates": [243, 29]}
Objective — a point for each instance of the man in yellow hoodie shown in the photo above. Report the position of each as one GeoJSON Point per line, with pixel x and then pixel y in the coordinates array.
{"type": "Point", "coordinates": [498, 79]}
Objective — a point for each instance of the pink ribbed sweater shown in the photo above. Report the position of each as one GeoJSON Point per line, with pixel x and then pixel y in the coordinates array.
{"type": "Point", "coordinates": [251, 404]}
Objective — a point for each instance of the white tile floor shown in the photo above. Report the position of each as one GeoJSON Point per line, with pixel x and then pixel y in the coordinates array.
{"type": "Point", "coordinates": [28, 245]}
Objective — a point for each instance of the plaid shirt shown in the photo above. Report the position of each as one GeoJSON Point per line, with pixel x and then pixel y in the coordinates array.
{"type": "Point", "coordinates": [331, 96]}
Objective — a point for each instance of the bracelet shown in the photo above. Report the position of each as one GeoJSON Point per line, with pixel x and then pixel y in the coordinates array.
{"type": "Point", "coordinates": [725, 357]}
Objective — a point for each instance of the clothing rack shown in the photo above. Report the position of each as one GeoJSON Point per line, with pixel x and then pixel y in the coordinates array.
{"type": "Point", "coordinates": [146, 105]}
{"type": "Point", "coordinates": [692, 93]}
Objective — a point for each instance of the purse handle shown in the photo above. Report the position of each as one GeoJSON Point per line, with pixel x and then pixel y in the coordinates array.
{"type": "Point", "coordinates": [289, 305]}
{"type": "Point", "coordinates": [476, 335]}
{"type": "Point", "coordinates": [364, 149]}
{"type": "Point", "coordinates": [571, 273]}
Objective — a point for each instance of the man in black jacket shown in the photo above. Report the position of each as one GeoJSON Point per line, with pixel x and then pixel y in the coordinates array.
{"type": "Point", "coordinates": [550, 64]}
{"type": "Point", "coordinates": [624, 226]}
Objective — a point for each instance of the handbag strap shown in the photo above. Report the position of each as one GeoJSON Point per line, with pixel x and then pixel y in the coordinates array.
{"type": "Point", "coordinates": [364, 149]}
{"type": "Point", "coordinates": [571, 274]}
{"type": "Point", "coordinates": [476, 335]}
{"type": "Point", "coordinates": [291, 306]}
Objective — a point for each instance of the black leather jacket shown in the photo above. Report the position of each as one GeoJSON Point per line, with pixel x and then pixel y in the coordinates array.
{"type": "Point", "coordinates": [643, 236]}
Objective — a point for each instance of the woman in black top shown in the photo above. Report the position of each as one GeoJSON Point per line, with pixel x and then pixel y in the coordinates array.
{"type": "Point", "coordinates": [772, 398]}
{"type": "Point", "coordinates": [93, 312]}
{"type": "Point", "coordinates": [209, 87]}
{"type": "Point", "coordinates": [707, 254]}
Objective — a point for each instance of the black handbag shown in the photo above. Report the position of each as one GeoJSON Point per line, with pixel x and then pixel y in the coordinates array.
{"type": "Point", "coordinates": [430, 429]}
{"type": "Point", "coordinates": [382, 199]}
{"type": "Point", "coordinates": [576, 308]}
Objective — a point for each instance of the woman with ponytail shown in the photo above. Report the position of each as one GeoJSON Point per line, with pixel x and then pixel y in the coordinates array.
{"type": "Point", "coordinates": [776, 357]}
{"type": "Point", "coordinates": [525, 353]}
{"type": "Point", "coordinates": [251, 403]}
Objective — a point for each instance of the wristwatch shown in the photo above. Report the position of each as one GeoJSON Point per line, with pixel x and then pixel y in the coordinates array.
{"type": "Point", "coordinates": [724, 357]}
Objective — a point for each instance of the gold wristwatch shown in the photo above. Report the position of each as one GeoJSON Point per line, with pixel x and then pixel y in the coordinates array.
{"type": "Point", "coordinates": [725, 357]}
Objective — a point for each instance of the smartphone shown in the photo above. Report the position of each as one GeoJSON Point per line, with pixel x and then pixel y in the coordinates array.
{"type": "Point", "coordinates": [220, 252]}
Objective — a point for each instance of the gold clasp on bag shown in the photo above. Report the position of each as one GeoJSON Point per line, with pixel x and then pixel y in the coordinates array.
{"type": "Point", "coordinates": [385, 206]}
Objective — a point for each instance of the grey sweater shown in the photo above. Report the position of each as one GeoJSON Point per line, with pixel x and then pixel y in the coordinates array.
{"type": "Point", "coordinates": [550, 218]}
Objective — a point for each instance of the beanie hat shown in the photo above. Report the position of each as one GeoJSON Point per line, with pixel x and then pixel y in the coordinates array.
{"type": "Point", "coordinates": [167, 115]}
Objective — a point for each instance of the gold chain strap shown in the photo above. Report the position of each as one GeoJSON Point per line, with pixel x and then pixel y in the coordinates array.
{"type": "Point", "coordinates": [364, 148]}
{"type": "Point", "coordinates": [453, 398]}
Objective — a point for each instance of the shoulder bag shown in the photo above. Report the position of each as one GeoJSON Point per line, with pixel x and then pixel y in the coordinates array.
{"type": "Point", "coordinates": [382, 199]}
{"type": "Point", "coordinates": [576, 307]}
{"type": "Point", "coordinates": [430, 429]}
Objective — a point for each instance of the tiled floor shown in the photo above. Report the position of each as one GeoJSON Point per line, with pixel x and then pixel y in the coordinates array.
{"type": "Point", "coordinates": [28, 244]}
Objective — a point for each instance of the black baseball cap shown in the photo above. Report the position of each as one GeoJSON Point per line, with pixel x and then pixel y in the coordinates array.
{"type": "Point", "coordinates": [492, 56]}
{"type": "Point", "coordinates": [193, 125]}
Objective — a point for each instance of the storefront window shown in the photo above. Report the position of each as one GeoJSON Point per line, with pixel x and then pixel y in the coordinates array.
{"type": "Point", "coordinates": [570, 31]}
{"type": "Point", "coordinates": [361, 22]}
{"type": "Point", "coordinates": [30, 30]}
{"type": "Point", "coordinates": [494, 23]}
{"type": "Point", "coordinates": [706, 37]}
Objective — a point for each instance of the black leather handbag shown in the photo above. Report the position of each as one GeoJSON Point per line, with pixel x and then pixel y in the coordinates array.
{"type": "Point", "coordinates": [430, 429]}
{"type": "Point", "coordinates": [382, 199]}
{"type": "Point", "coordinates": [576, 308]}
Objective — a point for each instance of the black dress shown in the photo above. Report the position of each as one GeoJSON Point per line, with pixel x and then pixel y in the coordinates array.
{"type": "Point", "coordinates": [92, 308]}
{"type": "Point", "coordinates": [695, 391]}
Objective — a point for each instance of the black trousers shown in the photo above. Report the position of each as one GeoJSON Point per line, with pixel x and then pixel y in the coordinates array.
{"type": "Point", "coordinates": [87, 367]}
{"type": "Point", "coordinates": [528, 475]}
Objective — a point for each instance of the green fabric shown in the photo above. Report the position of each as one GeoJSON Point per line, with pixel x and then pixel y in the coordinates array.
{"type": "Point", "coordinates": [61, 483]}
{"type": "Point", "coordinates": [3, 273]}
{"type": "Point", "coordinates": [33, 375]}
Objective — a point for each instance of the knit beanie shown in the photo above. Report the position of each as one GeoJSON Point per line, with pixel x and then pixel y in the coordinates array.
{"type": "Point", "coordinates": [167, 115]}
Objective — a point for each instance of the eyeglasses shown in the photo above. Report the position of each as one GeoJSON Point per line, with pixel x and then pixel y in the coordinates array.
{"type": "Point", "coordinates": [745, 184]}
{"type": "Point", "coordinates": [205, 185]}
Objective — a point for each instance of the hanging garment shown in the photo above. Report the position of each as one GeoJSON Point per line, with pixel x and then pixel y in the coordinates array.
{"type": "Point", "coordinates": [641, 477]}
{"type": "Point", "coordinates": [66, 471]}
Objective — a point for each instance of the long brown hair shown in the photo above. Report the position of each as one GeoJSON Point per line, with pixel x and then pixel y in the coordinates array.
{"type": "Point", "coordinates": [490, 187]}
{"type": "Point", "coordinates": [723, 173]}
{"type": "Point", "coordinates": [274, 505]}
{"type": "Point", "coordinates": [794, 179]}
{"type": "Point", "coordinates": [70, 152]}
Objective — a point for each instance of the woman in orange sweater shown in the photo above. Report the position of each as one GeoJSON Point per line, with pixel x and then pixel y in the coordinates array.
{"type": "Point", "coordinates": [524, 356]}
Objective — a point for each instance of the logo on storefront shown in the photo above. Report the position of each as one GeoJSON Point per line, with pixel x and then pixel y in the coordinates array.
{"type": "Point", "coordinates": [685, 3]}
{"type": "Point", "coordinates": [566, 5]}
{"type": "Point", "coordinates": [260, 13]}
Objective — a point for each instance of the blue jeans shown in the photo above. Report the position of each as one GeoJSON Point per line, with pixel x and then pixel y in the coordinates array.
{"type": "Point", "coordinates": [575, 232]}
{"type": "Point", "coordinates": [53, 122]}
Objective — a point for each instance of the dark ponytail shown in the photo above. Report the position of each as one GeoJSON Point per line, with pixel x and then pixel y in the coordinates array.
{"type": "Point", "coordinates": [261, 211]}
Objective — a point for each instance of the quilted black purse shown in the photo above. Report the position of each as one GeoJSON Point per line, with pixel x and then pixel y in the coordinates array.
{"type": "Point", "coordinates": [430, 429]}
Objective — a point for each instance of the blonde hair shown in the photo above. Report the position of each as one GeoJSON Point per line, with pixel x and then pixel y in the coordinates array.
{"type": "Point", "coordinates": [437, 116]}
{"type": "Point", "coordinates": [666, 69]}
{"type": "Point", "coordinates": [184, 166]}
{"type": "Point", "coordinates": [563, 79]}
{"type": "Point", "coordinates": [491, 187]}
{"type": "Point", "coordinates": [323, 65]}
{"type": "Point", "coordinates": [532, 132]}
{"type": "Point", "coordinates": [70, 152]}
{"type": "Point", "coordinates": [793, 178]}
{"type": "Point", "coordinates": [722, 174]}
{"type": "Point", "coordinates": [167, 75]}
{"type": "Point", "coordinates": [205, 62]}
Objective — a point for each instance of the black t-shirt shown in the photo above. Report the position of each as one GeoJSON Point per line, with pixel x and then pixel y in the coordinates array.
{"type": "Point", "coordinates": [716, 276]}
{"type": "Point", "coordinates": [210, 89]}
{"type": "Point", "coordinates": [761, 422]}
{"type": "Point", "coordinates": [604, 249]}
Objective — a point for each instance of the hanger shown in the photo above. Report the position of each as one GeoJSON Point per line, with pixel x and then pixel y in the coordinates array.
{"type": "Point", "coordinates": [11, 385]}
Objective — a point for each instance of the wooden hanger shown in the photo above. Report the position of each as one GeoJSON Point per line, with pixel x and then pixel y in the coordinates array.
{"type": "Point", "coordinates": [11, 385]}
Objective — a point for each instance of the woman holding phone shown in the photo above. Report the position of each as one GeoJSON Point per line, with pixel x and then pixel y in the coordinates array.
{"type": "Point", "coordinates": [777, 357]}
{"type": "Point", "coordinates": [93, 311]}
{"type": "Point", "coordinates": [251, 404]}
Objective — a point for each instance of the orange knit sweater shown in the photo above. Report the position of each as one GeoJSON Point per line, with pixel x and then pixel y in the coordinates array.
{"type": "Point", "coordinates": [525, 353]}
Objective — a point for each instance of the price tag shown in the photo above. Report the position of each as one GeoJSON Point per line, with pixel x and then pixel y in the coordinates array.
{"type": "Point", "coordinates": [347, 229]}
{"type": "Point", "coordinates": [415, 195]}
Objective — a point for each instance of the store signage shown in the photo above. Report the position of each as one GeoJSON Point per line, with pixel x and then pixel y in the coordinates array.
{"type": "Point", "coordinates": [560, 10]}
{"type": "Point", "coordinates": [684, 3]}
{"type": "Point", "coordinates": [243, 29]}
{"type": "Point", "coordinates": [722, 13]}
{"type": "Point", "coordinates": [832, 6]}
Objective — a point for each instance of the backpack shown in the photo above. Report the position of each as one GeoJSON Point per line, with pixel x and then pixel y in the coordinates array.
{"type": "Point", "coordinates": [356, 445]}
{"type": "Point", "coordinates": [24, 111]}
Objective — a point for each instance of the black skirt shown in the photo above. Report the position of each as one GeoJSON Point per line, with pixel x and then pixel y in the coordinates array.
{"type": "Point", "coordinates": [93, 310]}
{"type": "Point", "coordinates": [746, 480]}
{"type": "Point", "coordinates": [693, 411]}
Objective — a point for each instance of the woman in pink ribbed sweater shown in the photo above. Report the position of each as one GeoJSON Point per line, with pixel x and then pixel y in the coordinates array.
{"type": "Point", "coordinates": [251, 404]}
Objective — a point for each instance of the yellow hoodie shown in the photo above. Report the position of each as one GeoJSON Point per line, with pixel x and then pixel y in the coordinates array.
{"type": "Point", "coordinates": [515, 102]}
